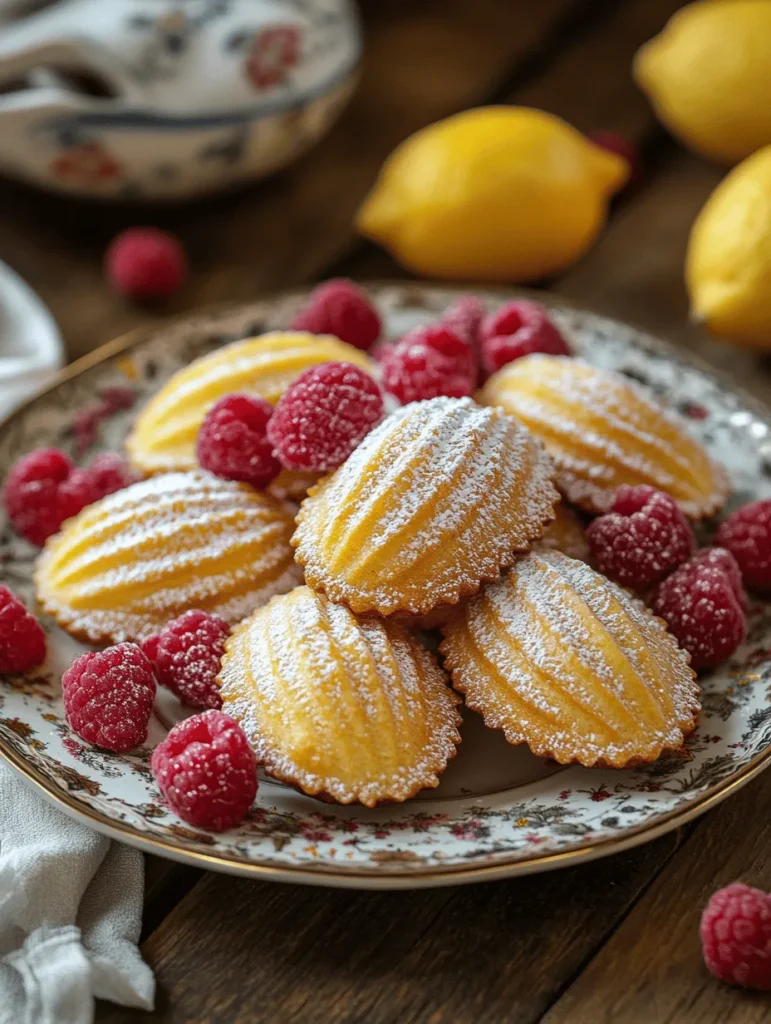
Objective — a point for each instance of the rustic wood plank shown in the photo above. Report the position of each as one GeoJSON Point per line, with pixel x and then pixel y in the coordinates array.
{"type": "Point", "coordinates": [651, 971]}
{"type": "Point", "coordinates": [166, 883]}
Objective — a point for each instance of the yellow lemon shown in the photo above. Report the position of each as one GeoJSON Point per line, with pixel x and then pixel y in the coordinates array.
{"type": "Point", "coordinates": [708, 76]}
{"type": "Point", "coordinates": [494, 194]}
{"type": "Point", "coordinates": [728, 267]}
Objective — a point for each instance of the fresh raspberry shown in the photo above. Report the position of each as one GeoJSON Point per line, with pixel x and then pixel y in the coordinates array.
{"type": "Point", "coordinates": [700, 604]}
{"type": "Point", "coordinates": [642, 539]}
{"type": "Point", "coordinates": [186, 655]}
{"type": "Point", "coordinates": [233, 440]}
{"type": "Point", "coordinates": [207, 771]}
{"type": "Point", "coordinates": [428, 362]}
{"type": "Point", "coordinates": [746, 533]}
{"type": "Point", "coordinates": [722, 559]}
{"type": "Point", "coordinates": [518, 329]}
{"type": "Point", "coordinates": [108, 696]}
{"type": "Point", "coordinates": [109, 472]}
{"type": "Point", "coordinates": [22, 640]}
{"type": "Point", "coordinates": [324, 415]}
{"type": "Point", "coordinates": [622, 147]}
{"type": "Point", "coordinates": [341, 308]}
{"type": "Point", "coordinates": [42, 490]}
{"type": "Point", "coordinates": [464, 318]}
{"type": "Point", "coordinates": [736, 936]}
{"type": "Point", "coordinates": [146, 263]}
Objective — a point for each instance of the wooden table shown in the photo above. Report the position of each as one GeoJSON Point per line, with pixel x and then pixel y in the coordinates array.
{"type": "Point", "coordinates": [613, 941]}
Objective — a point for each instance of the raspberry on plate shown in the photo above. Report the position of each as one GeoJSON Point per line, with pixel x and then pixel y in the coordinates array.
{"type": "Point", "coordinates": [109, 472]}
{"type": "Point", "coordinates": [518, 329]}
{"type": "Point", "coordinates": [207, 771]}
{"type": "Point", "coordinates": [428, 362]}
{"type": "Point", "coordinates": [233, 441]}
{"type": "Point", "coordinates": [736, 936]}
{"type": "Point", "coordinates": [464, 318]}
{"type": "Point", "coordinates": [341, 308]}
{"type": "Point", "coordinates": [108, 696]}
{"type": "Point", "coordinates": [642, 539]}
{"type": "Point", "coordinates": [324, 415]}
{"type": "Point", "coordinates": [703, 608]}
{"type": "Point", "coordinates": [42, 490]}
{"type": "Point", "coordinates": [146, 263]}
{"type": "Point", "coordinates": [746, 533]}
{"type": "Point", "coordinates": [186, 656]}
{"type": "Point", "coordinates": [22, 640]}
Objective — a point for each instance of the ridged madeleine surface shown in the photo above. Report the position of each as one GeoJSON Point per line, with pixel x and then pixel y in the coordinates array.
{"type": "Point", "coordinates": [353, 709]}
{"type": "Point", "coordinates": [437, 499]}
{"type": "Point", "coordinates": [125, 566]}
{"type": "Point", "coordinates": [565, 533]}
{"type": "Point", "coordinates": [603, 431]}
{"type": "Point", "coordinates": [164, 434]}
{"type": "Point", "coordinates": [562, 659]}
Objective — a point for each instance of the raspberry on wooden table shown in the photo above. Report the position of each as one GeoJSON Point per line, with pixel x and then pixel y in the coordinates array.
{"type": "Point", "coordinates": [642, 539]}
{"type": "Point", "coordinates": [464, 318]}
{"type": "Point", "coordinates": [736, 936]}
{"type": "Point", "coordinates": [324, 415]}
{"type": "Point", "coordinates": [206, 771]}
{"type": "Point", "coordinates": [702, 607]}
{"type": "Point", "coordinates": [146, 263]}
{"type": "Point", "coordinates": [186, 655]}
{"type": "Point", "coordinates": [341, 308]}
{"type": "Point", "coordinates": [518, 329]}
{"type": "Point", "coordinates": [109, 472]}
{"type": "Point", "coordinates": [746, 533]}
{"type": "Point", "coordinates": [428, 362]}
{"type": "Point", "coordinates": [108, 696]}
{"type": "Point", "coordinates": [22, 640]}
{"type": "Point", "coordinates": [42, 490]}
{"type": "Point", "coordinates": [233, 441]}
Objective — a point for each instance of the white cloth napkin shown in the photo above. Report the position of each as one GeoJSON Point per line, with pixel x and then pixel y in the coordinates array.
{"type": "Point", "coordinates": [70, 914]}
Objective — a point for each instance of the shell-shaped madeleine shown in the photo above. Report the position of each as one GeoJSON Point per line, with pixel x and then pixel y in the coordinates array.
{"type": "Point", "coordinates": [437, 499]}
{"type": "Point", "coordinates": [125, 566]}
{"type": "Point", "coordinates": [562, 659]}
{"type": "Point", "coordinates": [565, 533]}
{"type": "Point", "coordinates": [353, 709]}
{"type": "Point", "coordinates": [164, 434]}
{"type": "Point", "coordinates": [603, 431]}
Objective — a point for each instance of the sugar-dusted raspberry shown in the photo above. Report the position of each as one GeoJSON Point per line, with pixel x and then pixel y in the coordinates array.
{"type": "Point", "coordinates": [700, 604]}
{"type": "Point", "coordinates": [42, 490]}
{"type": "Point", "coordinates": [186, 655]}
{"type": "Point", "coordinates": [108, 696]}
{"type": "Point", "coordinates": [146, 263]}
{"type": "Point", "coordinates": [642, 539]}
{"type": "Point", "coordinates": [464, 318]}
{"type": "Point", "coordinates": [722, 559]}
{"type": "Point", "coordinates": [341, 308]}
{"type": "Point", "coordinates": [324, 415]}
{"type": "Point", "coordinates": [428, 362]}
{"type": "Point", "coordinates": [22, 640]}
{"type": "Point", "coordinates": [517, 329]}
{"type": "Point", "coordinates": [110, 472]}
{"type": "Point", "coordinates": [746, 533]}
{"type": "Point", "coordinates": [736, 936]}
{"type": "Point", "coordinates": [207, 771]}
{"type": "Point", "coordinates": [233, 440]}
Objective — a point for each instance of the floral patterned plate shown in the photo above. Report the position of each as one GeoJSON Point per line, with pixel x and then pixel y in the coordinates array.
{"type": "Point", "coordinates": [499, 810]}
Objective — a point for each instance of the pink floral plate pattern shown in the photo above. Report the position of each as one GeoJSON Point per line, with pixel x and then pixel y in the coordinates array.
{"type": "Point", "coordinates": [499, 810]}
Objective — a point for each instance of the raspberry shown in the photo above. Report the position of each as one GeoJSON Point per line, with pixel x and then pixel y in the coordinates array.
{"type": "Point", "coordinates": [746, 533]}
{"type": "Point", "coordinates": [622, 147]}
{"type": "Point", "coordinates": [109, 472]}
{"type": "Point", "coordinates": [324, 415]}
{"type": "Point", "coordinates": [108, 696]}
{"type": "Point", "coordinates": [207, 771]}
{"type": "Point", "coordinates": [642, 539]}
{"type": "Point", "coordinates": [22, 640]}
{"type": "Point", "coordinates": [428, 362]}
{"type": "Point", "coordinates": [146, 263]}
{"type": "Point", "coordinates": [518, 329]}
{"type": "Point", "coordinates": [341, 308]}
{"type": "Point", "coordinates": [702, 607]}
{"type": "Point", "coordinates": [464, 318]}
{"type": "Point", "coordinates": [736, 936]}
{"type": "Point", "coordinates": [233, 440]}
{"type": "Point", "coordinates": [42, 490]}
{"type": "Point", "coordinates": [186, 655]}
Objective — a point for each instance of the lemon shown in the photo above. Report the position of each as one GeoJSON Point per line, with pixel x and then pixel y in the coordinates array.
{"type": "Point", "coordinates": [492, 194]}
{"type": "Point", "coordinates": [708, 75]}
{"type": "Point", "coordinates": [728, 266]}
